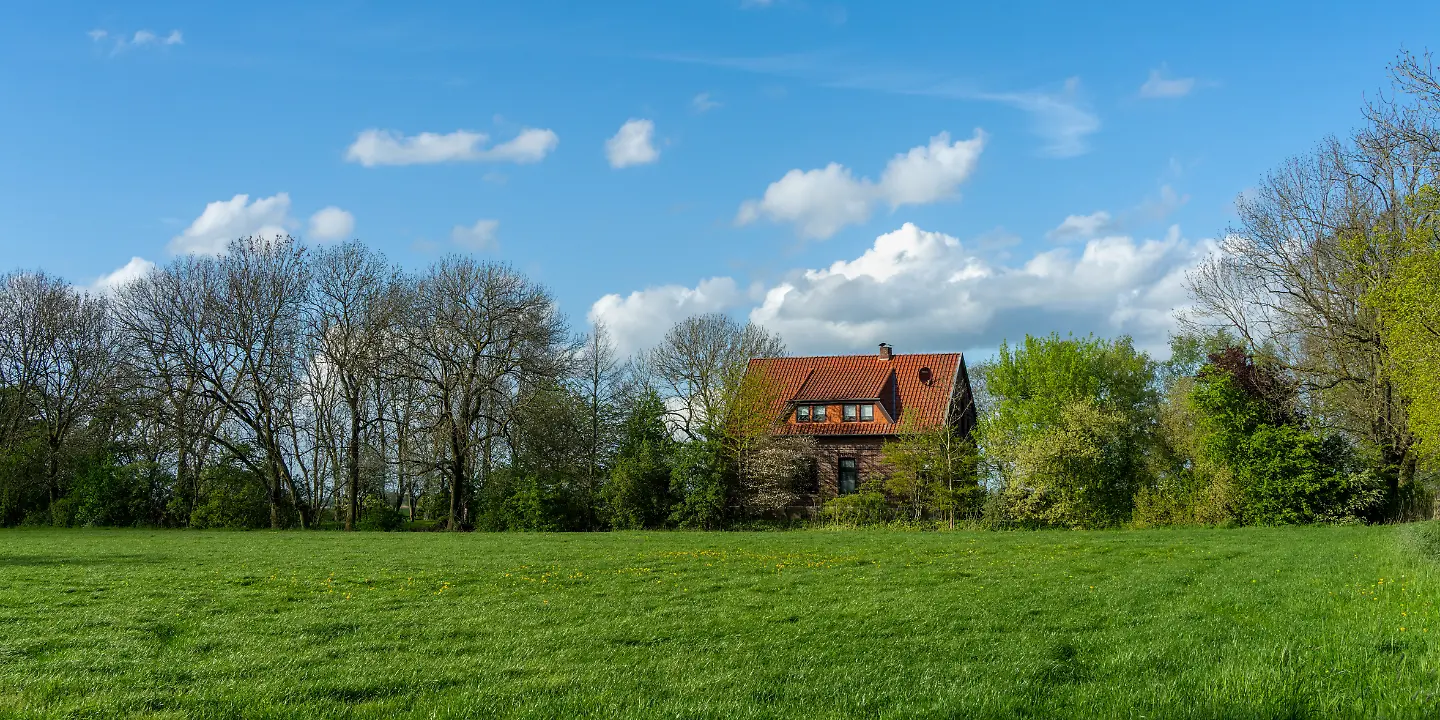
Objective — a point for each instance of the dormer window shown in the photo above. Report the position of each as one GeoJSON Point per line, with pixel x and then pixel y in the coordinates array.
{"type": "Point", "coordinates": [817, 413]}
{"type": "Point", "coordinates": [802, 413]}
{"type": "Point", "coordinates": [867, 413]}
{"type": "Point", "coordinates": [851, 413]}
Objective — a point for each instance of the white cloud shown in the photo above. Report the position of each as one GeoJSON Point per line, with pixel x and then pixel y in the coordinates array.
{"type": "Point", "coordinates": [1080, 227]}
{"type": "Point", "coordinates": [387, 147]}
{"type": "Point", "coordinates": [138, 39]}
{"type": "Point", "coordinates": [632, 145]}
{"type": "Point", "coordinates": [821, 202]}
{"type": "Point", "coordinates": [926, 290]}
{"type": "Point", "coordinates": [137, 267]}
{"type": "Point", "coordinates": [478, 237]}
{"type": "Point", "coordinates": [1058, 117]}
{"type": "Point", "coordinates": [1159, 86]}
{"type": "Point", "coordinates": [331, 223]}
{"type": "Point", "coordinates": [226, 220]}
{"type": "Point", "coordinates": [703, 103]}
{"type": "Point", "coordinates": [639, 320]}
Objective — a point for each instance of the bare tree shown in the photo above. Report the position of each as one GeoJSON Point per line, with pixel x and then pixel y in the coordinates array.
{"type": "Point", "coordinates": [352, 309]}
{"type": "Point", "coordinates": [1314, 240]}
{"type": "Point", "coordinates": [61, 358]}
{"type": "Point", "coordinates": [600, 381]}
{"type": "Point", "coordinates": [700, 365]}
{"type": "Point", "coordinates": [481, 332]}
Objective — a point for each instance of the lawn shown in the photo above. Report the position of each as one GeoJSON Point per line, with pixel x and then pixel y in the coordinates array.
{"type": "Point", "coordinates": [1300, 622]}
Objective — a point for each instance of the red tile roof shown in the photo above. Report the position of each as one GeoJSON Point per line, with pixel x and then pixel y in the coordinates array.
{"type": "Point", "coordinates": [832, 379]}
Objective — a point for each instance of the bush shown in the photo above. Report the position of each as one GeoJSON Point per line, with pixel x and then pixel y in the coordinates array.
{"type": "Point", "coordinates": [867, 507]}
{"type": "Point", "coordinates": [703, 482]}
{"type": "Point", "coordinates": [377, 515]}
{"type": "Point", "coordinates": [231, 497]}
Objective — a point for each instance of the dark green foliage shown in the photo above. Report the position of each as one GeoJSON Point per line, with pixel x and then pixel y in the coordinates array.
{"type": "Point", "coordinates": [1284, 472]}
{"type": "Point", "coordinates": [704, 481]}
{"type": "Point", "coordinates": [638, 494]}
{"type": "Point", "coordinates": [233, 497]}
{"type": "Point", "coordinates": [104, 493]}
{"type": "Point", "coordinates": [378, 515]}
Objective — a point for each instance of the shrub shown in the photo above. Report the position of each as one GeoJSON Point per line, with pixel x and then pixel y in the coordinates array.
{"type": "Point", "coordinates": [231, 497]}
{"type": "Point", "coordinates": [867, 507]}
{"type": "Point", "coordinates": [377, 515]}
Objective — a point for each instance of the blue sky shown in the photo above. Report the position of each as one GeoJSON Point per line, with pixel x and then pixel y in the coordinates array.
{"type": "Point", "coordinates": [936, 175]}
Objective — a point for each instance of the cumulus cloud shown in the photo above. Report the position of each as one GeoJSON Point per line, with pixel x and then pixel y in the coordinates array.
{"type": "Point", "coordinates": [388, 147]}
{"type": "Point", "coordinates": [137, 267]}
{"type": "Point", "coordinates": [632, 145]}
{"type": "Point", "coordinates": [1160, 86]}
{"type": "Point", "coordinates": [1079, 227]}
{"type": "Point", "coordinates": [927, 291]}
{"type": "Point", "coordinates": [821, 202]}
{"type": "Point", "coordinates": [331, 223]}
{"type": "Point", "coordinates": [226, 220]}
{"type": "Point", "coordinates": [639, 320]}
{"type": "Point", "coordinates": [479, 237]}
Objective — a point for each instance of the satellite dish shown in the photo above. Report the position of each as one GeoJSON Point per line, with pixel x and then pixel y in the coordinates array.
{"type": "Point", "coordinates": [924, 375]}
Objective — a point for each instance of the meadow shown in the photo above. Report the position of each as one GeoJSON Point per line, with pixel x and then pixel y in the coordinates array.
{"type": "Point", "coordinates": [1240, 623]}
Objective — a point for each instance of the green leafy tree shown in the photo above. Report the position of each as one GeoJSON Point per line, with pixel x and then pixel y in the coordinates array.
{"type": "Point", "coordinates": [1409, 304]}
{"type": "Point", "coordinates": [932, 471]}
{"type": "Point", "coordinates": [1284, 472]}
{"type": "Point", "coordinates": [1067, 429]}
{"type": "Point", "coordinates": [637, 494]}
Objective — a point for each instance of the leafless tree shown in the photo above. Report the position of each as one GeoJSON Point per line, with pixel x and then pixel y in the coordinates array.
{"type": "Point", "coordinates": [1314, 239]}
{"type": "Point", "coordinates": [481, 331]}
{"type": "Point", "coordinates": [62, 357]}
{"type": "Point", "coordinates": [700, 365]}
{"type": "Point", "coordinates": [352, 310]}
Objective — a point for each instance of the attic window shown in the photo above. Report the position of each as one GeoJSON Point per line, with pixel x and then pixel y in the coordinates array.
{"type": "Point", "coordinates": [802, 413]}
{"type": "Point", "coordinates": [867, 413]}
{"type": "Point", "coordinates": [852, 413]}
{"type": "Point", "coordinates": [925, 375]}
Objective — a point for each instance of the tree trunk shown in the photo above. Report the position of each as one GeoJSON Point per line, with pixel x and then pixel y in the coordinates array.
{"type": "Point", "coordinates": [353, 471]}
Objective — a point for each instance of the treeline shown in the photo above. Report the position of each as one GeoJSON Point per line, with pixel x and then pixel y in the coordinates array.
{"type": "Point", "coordinates": [282, 386]}
{"type": "Point", "coordinates": [279, 386]}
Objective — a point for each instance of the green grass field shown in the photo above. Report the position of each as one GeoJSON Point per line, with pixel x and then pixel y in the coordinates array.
{"type": "Point", "coordinates": [1262, 623]}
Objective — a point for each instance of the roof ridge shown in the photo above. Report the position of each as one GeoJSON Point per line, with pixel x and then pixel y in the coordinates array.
{"type": "Point", "coordinates": [866, 355]}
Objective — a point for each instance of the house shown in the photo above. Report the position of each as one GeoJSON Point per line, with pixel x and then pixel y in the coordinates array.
{"type": "Point", "coordinates": [853, 404]}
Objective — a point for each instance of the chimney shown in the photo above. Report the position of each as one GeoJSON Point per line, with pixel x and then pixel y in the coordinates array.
{"type": "Point", "coordinates": [885, 351]}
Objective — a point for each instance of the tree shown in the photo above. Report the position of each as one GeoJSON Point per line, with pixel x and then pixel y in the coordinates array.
{"type": "Point", "coordinates": [638, 493]}
{"type": "Point", "coordinates": [1284, 472]}
{"type": "Point", "coordinates": [353, 308]}
{"type": "Point", "coordinates": [601, 383]}
{"type": "Point", "coordinates": [932, 469]}
{"type": "Point", "coordinates": [480, 331]}
{"type": "Point", "coordinates": [700, 366]}
{"type": "Point", "coordinates": [1067, 428]}
{"type": "Point", "coordinates": [1318, 236]}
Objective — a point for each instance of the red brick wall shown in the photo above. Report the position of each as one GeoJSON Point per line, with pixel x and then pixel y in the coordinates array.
{"type": "Point", "coordinates": [827, 460]}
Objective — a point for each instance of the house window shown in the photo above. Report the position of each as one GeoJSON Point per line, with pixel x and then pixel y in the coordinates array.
{"type": "Point", "coordinates": [802, 413]}
{"type": "Point", "coordinates": [867, 413]}
{"type": "Point", "coordinates": [817, 413]}
{"type": "Point", "coordinates": [849, 475]}
{"type": "Point", "coordinates": [852, 413]}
